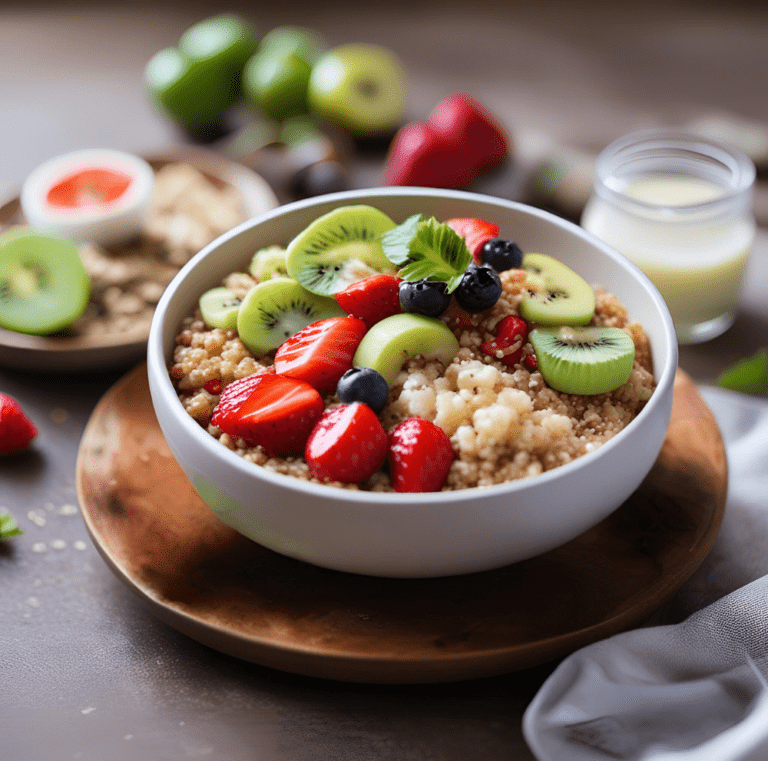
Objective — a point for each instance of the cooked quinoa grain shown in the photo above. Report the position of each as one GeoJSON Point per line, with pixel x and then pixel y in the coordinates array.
{"type": "Point", "coordinates": [504, 423]}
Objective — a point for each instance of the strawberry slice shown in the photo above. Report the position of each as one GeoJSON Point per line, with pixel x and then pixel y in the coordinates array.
{"type": "Point", "coordinates": [275, 412]}
{"type": "Point", "coordinates": [322, 352]}
{"type": "Point", "coordinates": [507, 347]}
{"type": "Point", "coordinates": [475, 233]}
{"type": "Point", "coordinates": [348, 444]}
{"type": "Point", "coordinates": [16, 429]}
{"type": "Point", "coordinates": [420, 456]}
{"type": "Point", "coordinates": [372, 299]}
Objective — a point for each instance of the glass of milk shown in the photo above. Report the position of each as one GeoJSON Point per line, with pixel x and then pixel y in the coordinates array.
{"type": "Point", "coordinates": [679, 207]}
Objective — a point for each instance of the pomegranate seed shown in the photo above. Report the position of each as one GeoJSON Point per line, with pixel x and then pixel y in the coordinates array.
{"type": "Point", "coordinates": [213, 386]}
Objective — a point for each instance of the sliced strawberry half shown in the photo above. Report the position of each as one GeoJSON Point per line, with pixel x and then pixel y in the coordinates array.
{"type": "Point", "coordinates": [16, 429]}
{"type": "Point", "coordinates": [348, 444]}
{"type": "Point", "coordinates": [420, 456]}
{"type": "Point", "coordinates": [507, 347]}
{"type": "Point", "coordinates": [372, 299]}
{"type": "Point", "coordinates": [275, 412]}
{"type": "Point", "coordinates": [322, 352]}
{"type": "Point", "coordinates": [475, 233]}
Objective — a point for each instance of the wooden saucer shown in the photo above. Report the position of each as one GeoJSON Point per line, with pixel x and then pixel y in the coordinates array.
{"type": "Point", "coordinates": [233, 595]}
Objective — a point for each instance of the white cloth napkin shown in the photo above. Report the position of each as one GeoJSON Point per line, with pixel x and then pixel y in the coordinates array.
{"type": "Point", "coordinates": [695, 690]}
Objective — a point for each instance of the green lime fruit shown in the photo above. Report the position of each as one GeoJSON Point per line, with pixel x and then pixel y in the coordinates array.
{"type": "Point", "coordinates": [190, 92]}
{"type": "Point", "coordinates": [224, 42]}
{"type": "Point", "coordinates": [360, 87]}
{"type": "Point", "coordinates": [44, 286]}
{"type": "Point", "coordinates": [307, 44]}
{"type": "Point", "coordinates": [277, 84]}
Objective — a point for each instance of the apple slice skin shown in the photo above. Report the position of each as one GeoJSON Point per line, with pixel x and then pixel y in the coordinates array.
{"type": "Point", "coordinates": [389, 344]}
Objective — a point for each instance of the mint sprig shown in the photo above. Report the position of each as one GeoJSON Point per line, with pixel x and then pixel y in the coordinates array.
{"type": "Point", "coordinates": [426, 249]}
{"type": "Point", "coordinates": [8, 525]}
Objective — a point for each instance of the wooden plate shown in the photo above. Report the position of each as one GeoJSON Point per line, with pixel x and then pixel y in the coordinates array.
{"type": "Point", "coordinates": [233, 595]}
{"type": "Point", "coordinates": [78, 353]}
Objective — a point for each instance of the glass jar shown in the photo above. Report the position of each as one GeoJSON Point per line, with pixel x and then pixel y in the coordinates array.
{"type": "Point", "coordinates": [679, 207]}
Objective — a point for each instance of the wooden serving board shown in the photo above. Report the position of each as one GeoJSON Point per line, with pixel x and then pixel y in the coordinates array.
{"type": "Point", "coordinates": [235, 596]}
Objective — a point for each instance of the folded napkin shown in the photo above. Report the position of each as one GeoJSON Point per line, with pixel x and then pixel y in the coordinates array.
{"type": "Point", "coordinates": [696, 687]}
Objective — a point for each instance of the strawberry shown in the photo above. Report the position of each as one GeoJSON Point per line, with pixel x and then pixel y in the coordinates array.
{"type": "Point", "coordinates": [511, 335]}
{"type": "Point", "coordinates": [322, 352]}
{"type": "Point", "coordinates": [16, 429]}
{"type": "Point", "coordinates": [372, 299]}
{"type": "Point", "coordinates": [420, 456]}
{"type": "Point", "coordinates": [466, 122]}
{"type": "Point", "coordinates": [475, 233]}
{"type": "Point", "coordinates": [271, 410]}
{"type": "Point", "coordinates": [419, 155]}
{"type": "Point", "coordinates": [348, 444]}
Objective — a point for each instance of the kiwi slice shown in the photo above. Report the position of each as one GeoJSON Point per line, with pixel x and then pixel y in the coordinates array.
{"type": "Point", "coordinates": [276, 309]}
{"type": "Point", "coordinates": [556, 294]}
{"type": "Point", "coordinates": [324, 257]}
{"type": "Point", "coordinates": [44, 286]}
{"type": "Point", "coordinates": [268, 263]}
{"type": "Point", "coordinates": [219, 307]}
{"type": "Point", "coordinates": [583, 359]}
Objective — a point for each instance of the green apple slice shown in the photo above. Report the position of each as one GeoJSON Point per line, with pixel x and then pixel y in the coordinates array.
{"type": "Point", "coordinates": [390, 343]}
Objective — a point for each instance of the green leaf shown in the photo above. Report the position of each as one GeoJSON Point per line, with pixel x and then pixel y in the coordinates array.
{"type": "Point", "coordinates": [8, 525]}
{"type": "Point", "coordinates": [396, 242]}
{"type": "Point", "coordinates": [748, 376]}
{"type": "Point", "coordinates": [427, 250]}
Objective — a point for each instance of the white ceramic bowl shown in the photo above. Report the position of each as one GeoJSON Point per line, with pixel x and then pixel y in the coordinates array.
{"type": "Point", "coordinates": [416, 535]}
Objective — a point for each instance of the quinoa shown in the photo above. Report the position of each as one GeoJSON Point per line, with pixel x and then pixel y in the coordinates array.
{"type": "Point", "coordinates": [504, 423]}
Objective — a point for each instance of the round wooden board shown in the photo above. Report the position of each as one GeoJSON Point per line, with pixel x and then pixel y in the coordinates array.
{"type": "Point", "coordinates": [78, 353]}
{"type": "Point", "coordinates": [233, 595]}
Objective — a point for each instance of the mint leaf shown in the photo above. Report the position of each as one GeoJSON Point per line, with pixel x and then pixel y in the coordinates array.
{"type": "Point", "coordinates": [397, 241]}
{"type": "Point", "coordinates": [748, 376]}
{"type": "Point", "coordinates": [427, 250]}
{"type": "Point", "coordinates": [8, 525]}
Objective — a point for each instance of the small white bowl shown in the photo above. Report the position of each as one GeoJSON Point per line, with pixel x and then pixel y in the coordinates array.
{"type": "Point", "coordinates": [103, 223]}
{"type": "Point", "coordinates": [416, 535]}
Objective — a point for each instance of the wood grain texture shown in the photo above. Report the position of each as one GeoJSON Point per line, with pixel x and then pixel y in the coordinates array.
{"type": "Point", "coordinates": [229, 593]}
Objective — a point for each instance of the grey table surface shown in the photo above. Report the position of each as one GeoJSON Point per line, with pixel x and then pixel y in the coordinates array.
{"type": "Point", "coordinates": [86, 671]}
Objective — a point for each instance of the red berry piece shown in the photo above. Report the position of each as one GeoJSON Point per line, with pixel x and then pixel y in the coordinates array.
{"type": "Point", "coordinates": [531, 362]}
{"type": "Point", "coordinates": [348, 444]}
{"type": "Point", "coordinates": [475, 233]}
{"type": "Point", "coordinates": [16, 429]}
{"type": "Point", "coordinates": [511, 335]}
{"type": "Point", "coordinates": [420, 456]}
{"type": "Point", "coordinates": [275, 412]}
{"type": "Point", "coordinates": [322, 352]}
{"type": "Point", "coordinates": [371, 299]}
{"type": "Point", "coordinates": [213, 386]}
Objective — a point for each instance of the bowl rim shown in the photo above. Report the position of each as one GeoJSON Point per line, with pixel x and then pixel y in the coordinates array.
{"type": "Point", "coordinates": [156, 360]}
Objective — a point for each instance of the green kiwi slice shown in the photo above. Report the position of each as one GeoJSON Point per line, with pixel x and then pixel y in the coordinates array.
{"type": "Point", "coordinates": [268, 263]}
{"type": "Point", "coordinates": [219, 307]}
{"type": "Point", "coordinates": [556, 295]}
{"type": "Point", "coordinates": [324, 256]}
{"type": "Point", "coordinates": [276, 309]}
{"type": "Point", "coordinates": [583, 359]}
{"type": "Point", "coordinates": [44, 286]}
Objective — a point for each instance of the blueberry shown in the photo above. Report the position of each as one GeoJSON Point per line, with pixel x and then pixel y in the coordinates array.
{"type": "Point", "coordinates": [479, 289]}
{"type": "Point", "coordinates": [363, 384]}
{"type": "Point", "coordinates": [501, 254]}
{"type": "Point", "coordinates": [425, 297]}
